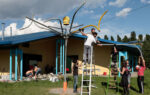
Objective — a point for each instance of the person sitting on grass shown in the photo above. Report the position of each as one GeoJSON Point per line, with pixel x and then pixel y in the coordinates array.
{"type": "Point", "coordinates": [37, 71]}
{"type": "Point", "coordinates": [29, 73]}
{"type": "Point", "coordinates": [141, 68]}
{"type": "Point", "coordinates": [91, 38]}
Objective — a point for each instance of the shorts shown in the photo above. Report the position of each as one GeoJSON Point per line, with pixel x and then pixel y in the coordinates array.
{"type": "Point", "coordinates": [29, 74]}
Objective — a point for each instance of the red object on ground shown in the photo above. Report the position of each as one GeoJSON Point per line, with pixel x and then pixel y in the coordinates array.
{"type": "Point", "coordinates": [67, 69]}
{"type": "Point", "coordinates": [105, 73]}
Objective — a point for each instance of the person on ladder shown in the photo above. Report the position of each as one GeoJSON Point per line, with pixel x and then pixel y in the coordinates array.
{"type": "Point", "coordinates": [114, 55]}
{"type": "Point", "coordinates": [91, 38]}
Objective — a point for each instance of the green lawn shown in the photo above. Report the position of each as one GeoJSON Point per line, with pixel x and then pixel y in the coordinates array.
{"type": "Point", "coordinates": [43, 87]}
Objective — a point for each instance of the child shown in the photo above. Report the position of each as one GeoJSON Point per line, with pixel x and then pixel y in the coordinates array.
{"type": "Point", "coordinates": [129, 74]}
{"type": "Point", "coordinates": [140, 79]}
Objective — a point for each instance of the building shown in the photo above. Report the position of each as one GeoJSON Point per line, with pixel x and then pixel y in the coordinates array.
{"type": "Point", "coordinates": [19, 53]}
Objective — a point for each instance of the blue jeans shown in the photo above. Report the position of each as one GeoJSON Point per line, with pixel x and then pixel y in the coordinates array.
{"type": "Point", "coordinates": [75, 82]}
{"type": "Point", "coordinates": [38, 71]}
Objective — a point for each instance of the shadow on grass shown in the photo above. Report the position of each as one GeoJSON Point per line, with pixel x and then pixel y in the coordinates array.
{"type": "Point", "coordinates": [105, 84]}
{"type": "Point", "coordinates": [120, 90]}
{"type": "Point", "coordinates": [132, 88]}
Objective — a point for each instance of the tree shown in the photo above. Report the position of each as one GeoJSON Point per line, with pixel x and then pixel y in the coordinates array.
{"type": "Point", "coordinates": [105, 37]}
{"type": "Point", "coordinates": [140, 37]}
{"type": "Point", "coordinates": [112, 38]}
{"type": "Point", "coordinates": [146, 50]}
{"type": "Point", "coordinates": [133, 36]}
{"type": "Point", "coordinates": [147, 37]}
{"type": "Point", "coordinates": [118, 38]}
{"type": "Point", "coordinates": [125, 39]}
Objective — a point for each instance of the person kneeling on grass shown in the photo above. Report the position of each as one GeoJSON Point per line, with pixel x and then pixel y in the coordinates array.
{"type": "Point", "coordinates": [75, 66]}
{"type": "Point", "coordinates": [37, 71]}
{"type": "Point", "coordinates": [29, 73]}
{"type": "Point", "coordinates": [141, 68]}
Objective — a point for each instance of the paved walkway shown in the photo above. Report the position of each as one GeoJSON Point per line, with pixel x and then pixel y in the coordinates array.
{"type": "Point", "coordinates": [60, 91]}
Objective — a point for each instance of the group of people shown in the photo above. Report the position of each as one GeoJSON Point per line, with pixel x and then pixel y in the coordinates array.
{"type": "Point", "coordinates": [33, 72]}
{"type": "Point", "coordinates": [125, 70]}
{"type": "Point", "coordinates": [126, 75]}
{"type": "Point", "coordinates": [91, 39]}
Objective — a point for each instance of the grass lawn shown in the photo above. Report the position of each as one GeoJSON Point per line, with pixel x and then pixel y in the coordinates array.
{"type": "Point", "coordinates": [43, 87]}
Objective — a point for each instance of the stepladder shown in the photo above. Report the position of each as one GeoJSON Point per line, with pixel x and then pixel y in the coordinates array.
{"type": "Point", "coordinates": [87, 71]}
{"type": "Point", "coordinates": [112, 81]}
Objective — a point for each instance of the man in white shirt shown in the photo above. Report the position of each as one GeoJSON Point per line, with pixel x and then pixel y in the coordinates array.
{"type": "Point", "coordinates": [91, 38]}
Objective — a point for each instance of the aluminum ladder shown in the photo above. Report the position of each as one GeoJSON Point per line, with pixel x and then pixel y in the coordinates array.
{"type": "Point", "coordinates": [87, 73]}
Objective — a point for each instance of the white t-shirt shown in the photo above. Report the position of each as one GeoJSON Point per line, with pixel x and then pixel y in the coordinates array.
{"type": "Point", "coordinates": [90, 40]}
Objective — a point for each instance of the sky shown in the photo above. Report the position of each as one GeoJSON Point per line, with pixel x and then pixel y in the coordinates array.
{"type": "Point", "coordinates": [123, 16]}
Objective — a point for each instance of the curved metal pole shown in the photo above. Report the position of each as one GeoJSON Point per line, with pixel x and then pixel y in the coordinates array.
{"type": "Point", "coordinates": [97, 27]}
{"type": "Point", "coordinates": [125, 44]}
{"type": "Point", "coordinates": [86, 27]}
{"type": "Point", "coordinates": [27, 26]}
{"type": "Point", "coordinates": [101, 19]}
{"type": "Point", "coordinates": [43, 24]}
{"type": "Point", "coordinates": [59, 22]}
{"type": "Point", "coordinates": [74, 16]}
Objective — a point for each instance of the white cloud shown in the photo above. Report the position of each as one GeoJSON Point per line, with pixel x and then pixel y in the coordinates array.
{"type": "Point", "coordinates": [105, 31]}
{"type": "Point", "coordinates": [124, 12]}
{"type": "Point", "coordinates": [34, 28]}
{"type": "Point", "coordinates": [118, 3]}
{"type": "Point", "coordinates": [10, 9]}
{"type": "Point", "coordinates": [145, 1]}
{"type": "Point", "coordinates": [85, 12]}
{"type": "Point", "coordinates": [14, 9]}
{"type": "Point", "coordinates": [95, 3]}
{"type": "Point", "coordinates": [113, 30]}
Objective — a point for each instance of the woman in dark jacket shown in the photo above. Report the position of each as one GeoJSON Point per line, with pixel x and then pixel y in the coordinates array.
{"type": "Point", "coordinates": [124, 80]}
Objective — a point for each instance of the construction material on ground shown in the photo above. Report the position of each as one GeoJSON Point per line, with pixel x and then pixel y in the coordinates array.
{"type": "Point", "coordinates": [51, 77]}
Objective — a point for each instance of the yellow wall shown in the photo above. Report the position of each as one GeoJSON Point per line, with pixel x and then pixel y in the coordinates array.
{"type": "Point", "coordinates": [4, 60]}
{"type": "Point", "coordinates": [47, 48]}
{"type": "Point", "coordinates": [101, 54]}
